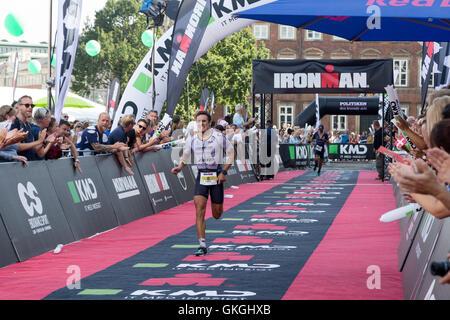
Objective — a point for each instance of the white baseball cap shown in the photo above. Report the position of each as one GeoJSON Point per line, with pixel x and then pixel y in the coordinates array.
{"type": "Point", "coordinates": [238, 107]}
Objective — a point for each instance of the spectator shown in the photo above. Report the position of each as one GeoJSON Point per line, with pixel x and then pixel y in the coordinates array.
{"type": "Point", "coordinates": [294, 137]}
{"type": "Point", "coordinates": [63, 142]}
{"type": "Point", "coordinates": [119, 135]}
{"type": "Point", "coordinates": [363, 137]}
{"type": "Point", "coordinates": [238, 118]}
{"type": "Point", "coordinates": [29, 146]}
{"type": "Point", "coordinates": [378, 142]}
{"type": "Point", "coordinates": [141, 144]}
{"type": "Point", "coordinates": [94, 137]}
{"type": "Point", "coordinates": [42, 117]}
{"type": "Point", "coordinates": [177, 127]}
{"type": "Point", "coordinates": [221, 129]}
{"type": "Point", "coordinates": [65, 116]}
{"type": "Point", "coordinates": [370, 138]}
{"type": "Point", "coordinates": [77, 131]}
{"type": "Point", "coordinates": [345, 137]}
{"type": "Point", "coordinates": [9, 152]}
{"type": "Point", "coordinates": [421, 182]}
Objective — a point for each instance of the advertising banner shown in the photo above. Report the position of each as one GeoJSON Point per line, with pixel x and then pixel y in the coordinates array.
{"type": "Point", "coordinates": [294, 155]}
{"type": "Point", "coordinates": [138, 94]}
{"type": "Point", "coordinates": [154, 172]}
{"type": "Point", "coordinates": [431, 289]}
{"type": "Point", "coordinates": [69, 18]}
{"type": "Point", "coordinates": [322, 76]}
{"type": "Point", "coordinates": [182, 184]}
{"type": "Point", "coordinates": [349, 151]}
{"type": "Point", "coordinates": [410, 226]}
{"type": "Point", "coordinates": [31, 211]}
{"type": "Point", "coordinates": [127, 193]}
{"type": "Point", "coordinates": [8, 255]}
{"type": "Point", "coordinates": [83, 196]}
{"type": "Point", "coordinates": [419, 256]}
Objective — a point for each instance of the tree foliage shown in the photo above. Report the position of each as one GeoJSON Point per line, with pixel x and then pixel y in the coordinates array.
{"type": "Point", "coordinates": [118, 28]}
{"type": "Point", "coordinates": [226, 70]}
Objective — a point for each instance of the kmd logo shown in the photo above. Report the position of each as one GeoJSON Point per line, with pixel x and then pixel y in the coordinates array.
{"type": "Point", "coordinates": [353, 149]}
{"type": "Point", "coordinates": [84, 190]}
{"type": "Point", "coordinates": [32, 204]}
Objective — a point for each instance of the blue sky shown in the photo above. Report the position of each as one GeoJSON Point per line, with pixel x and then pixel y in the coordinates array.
{"type": "Point", "coordinates": [34, 15]}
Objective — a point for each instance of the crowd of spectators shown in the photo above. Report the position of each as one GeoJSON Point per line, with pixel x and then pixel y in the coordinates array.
{"type": "Point", "coordinates": [425, 177]}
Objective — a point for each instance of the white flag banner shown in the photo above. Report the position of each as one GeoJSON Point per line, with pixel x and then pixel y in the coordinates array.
{"type": "Point", "coordinates": [68, 30]}
{"type": "Point", "coordinates": [137, 97]}
{"type": "Point", "coordinates": [317, 111]}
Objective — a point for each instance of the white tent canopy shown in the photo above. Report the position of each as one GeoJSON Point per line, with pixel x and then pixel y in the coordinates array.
{"type": "Point", "coordinates": [82, 114]}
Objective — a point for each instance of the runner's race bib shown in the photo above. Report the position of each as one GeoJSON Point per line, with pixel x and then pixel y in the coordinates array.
{"type": "Point", "coordinates": [319, 148]}
{"type": "Point", "coordinates": [208, 178]}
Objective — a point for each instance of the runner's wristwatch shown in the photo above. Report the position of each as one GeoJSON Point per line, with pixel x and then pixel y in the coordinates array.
{"type": "Point", "coordinates": [224, 172]}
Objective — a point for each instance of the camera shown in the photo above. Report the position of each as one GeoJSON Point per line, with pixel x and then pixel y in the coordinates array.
{"type": "Point", "coordinates": [440, 268]}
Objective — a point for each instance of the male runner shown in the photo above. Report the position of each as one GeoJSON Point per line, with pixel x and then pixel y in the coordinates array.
{"type": "Point", "coordinates": [208, 146]}
{"type": "Point", "coordinates": [320, 138]}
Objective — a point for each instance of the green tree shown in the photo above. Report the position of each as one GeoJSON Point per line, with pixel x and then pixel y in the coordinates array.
{"type": "Point", "coordinates": [118, 28]}
{"type": "Point", "coordinates": [226, 69]}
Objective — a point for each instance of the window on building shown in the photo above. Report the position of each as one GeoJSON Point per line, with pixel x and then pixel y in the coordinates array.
{"type": "Point", "coordinates": [286, 33]}
{"type": "Point", "coordinates": [313, 35]}
{"type": "Point", "coordinates": [401, 70]}
{"type": "Point", "coordinates": [261, 31]}
{"type": "Point", "coordinates": [286, 115]}
{"type": "Point", "coordinates": [338, 123]}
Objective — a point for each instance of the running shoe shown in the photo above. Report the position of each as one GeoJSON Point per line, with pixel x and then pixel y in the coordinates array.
{"type": "Point", "coordinates": [201, 251]}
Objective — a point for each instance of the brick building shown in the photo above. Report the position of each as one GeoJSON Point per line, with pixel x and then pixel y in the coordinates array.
{"type": "Point", "coordinates": [286, 42]}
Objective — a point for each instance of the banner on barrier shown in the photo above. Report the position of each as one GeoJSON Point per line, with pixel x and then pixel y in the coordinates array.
{"type": "Point", "coordinates": [431, 289]}
{"type": "Point", "coordinates": [418, 258]}
{"type": "Point", "coordinates": [31, 210]}
{"type": "Point", "coordinates": [154, 171]}
{"type": "Point", "coordinates": [8, 255]}
{"type": "Point", "coordinates": [294, 155]}
{"type": "Point", "coordinates": [127, 193]}
{"type": "Point", "coordinates": [83, 196]}
{"type": "Point", "coordinates": [349, 151]}
{"type": "Point", "coordinates": [245, 171]}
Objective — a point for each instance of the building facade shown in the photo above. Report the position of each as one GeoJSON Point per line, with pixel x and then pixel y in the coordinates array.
{"type": "Point", "coordinates": [285, 42]}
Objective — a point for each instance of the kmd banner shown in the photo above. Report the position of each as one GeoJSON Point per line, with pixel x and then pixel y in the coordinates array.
{"type": "Point", "coordinates": [190, 26]}
{"type": "Point", "coordinates": [137, 97]}
{"type": "Point", "coordinates": [350, 151]}
{"type": "Point", "coordinates": [322, 76]}
{"type": "Point", "coordinates": [294, 155]}
{"type": "Point", "coordinates": [69, 17]}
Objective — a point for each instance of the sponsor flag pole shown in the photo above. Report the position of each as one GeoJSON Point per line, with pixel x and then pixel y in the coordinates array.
{"type": "Point", "coordinates": [211, 109]}
{"type": "Point", "coordinates": [192, 20]}
{"type": "Point", "coordinates": [69, 18]}
{"type": "Point", "coordinates": [204, 99]}
{"type": "Point", "coordinates": [113, 98]}
{"type": "Point", "coordinates": [15, 74]}
{"type": "Point", "coordinates": [317, 111]}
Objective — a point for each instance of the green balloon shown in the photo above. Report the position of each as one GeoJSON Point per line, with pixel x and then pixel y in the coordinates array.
{"type": "Point", "coordinates": [34, 67]}
{"type": "Point", "coordinates": [13, 25]}
{"type": "Point", "coordinates": [93, 48]}
{"type": "Point", "coordinates": [147, 38]}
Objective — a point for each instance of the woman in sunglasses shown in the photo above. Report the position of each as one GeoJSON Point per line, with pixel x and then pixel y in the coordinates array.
{"type": "Point", "coordinates": [142, 127]}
